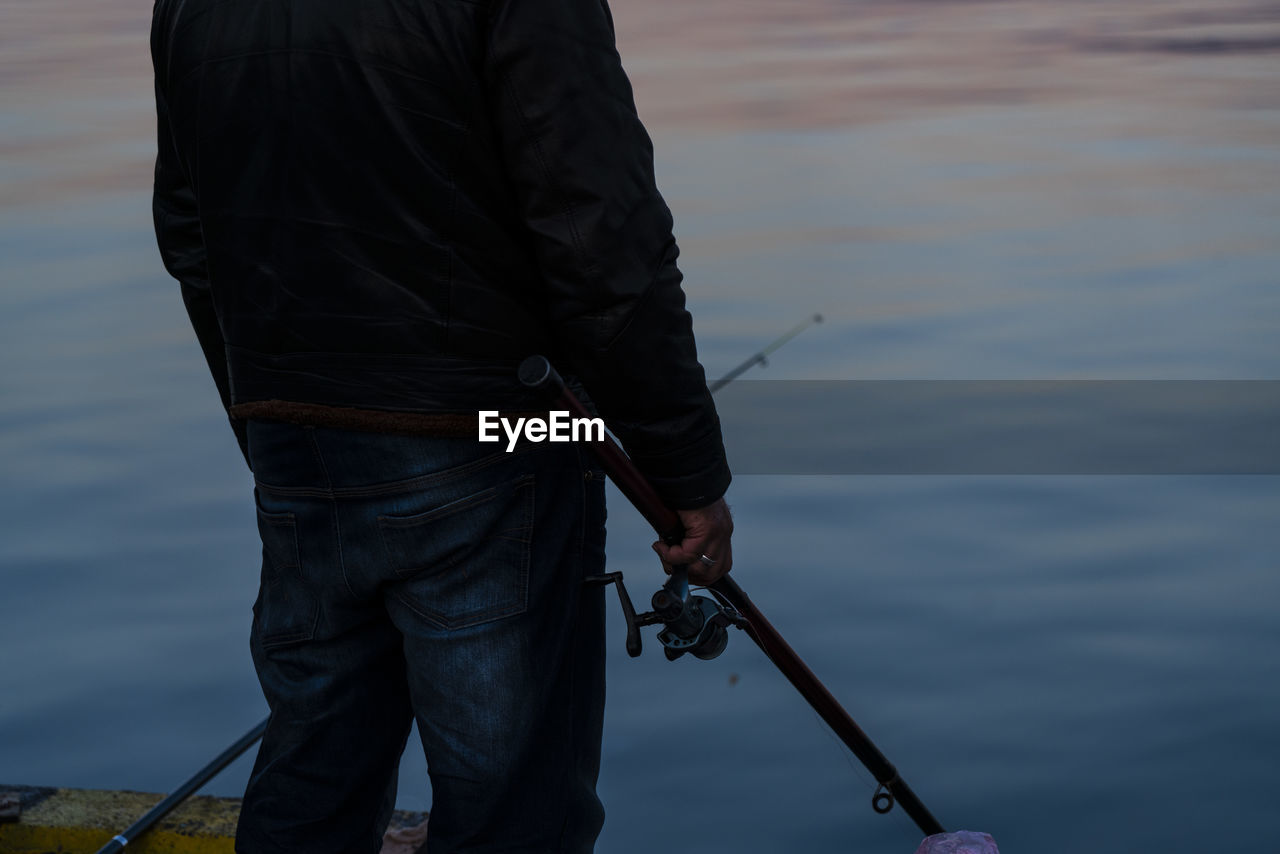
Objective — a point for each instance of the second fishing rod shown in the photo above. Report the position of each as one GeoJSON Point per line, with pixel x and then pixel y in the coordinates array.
{"type": "Point", "coordinates": [697, 625]}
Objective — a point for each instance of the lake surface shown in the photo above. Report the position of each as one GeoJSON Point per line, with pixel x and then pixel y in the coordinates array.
{"type": "Point", "coordinates": [966, 191]}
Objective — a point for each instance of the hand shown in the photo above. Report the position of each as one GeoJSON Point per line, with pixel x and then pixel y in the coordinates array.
{"type": "Point", "coordinates": [707, 531]}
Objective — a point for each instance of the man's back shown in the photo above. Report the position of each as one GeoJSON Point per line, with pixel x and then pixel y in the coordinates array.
{"type": "Point", "coordinates": [398, 201]}
{"type": "Point", "coordinates": [348, 177]}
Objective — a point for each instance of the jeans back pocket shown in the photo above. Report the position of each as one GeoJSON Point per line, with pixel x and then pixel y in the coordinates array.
{"type": "Point", "coordinates": [465, 562]}
{"type": "Point", "coordinates": [287, 608]}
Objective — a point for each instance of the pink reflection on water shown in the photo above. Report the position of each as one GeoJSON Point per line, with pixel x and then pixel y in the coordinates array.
{"type": "Point", "coordinates": [822, 63]}
{"type": "Point", "coordinates": [75, 80]}
{"type": "Point", "coordinates": [75, 74]}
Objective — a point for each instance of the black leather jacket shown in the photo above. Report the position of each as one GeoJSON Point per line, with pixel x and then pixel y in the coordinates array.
{"type": "Point", "coordinates": [387, 204]}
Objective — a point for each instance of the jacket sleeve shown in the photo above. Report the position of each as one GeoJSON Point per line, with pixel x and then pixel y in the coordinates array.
{"type": "Point", "coordinates": [176, 215]}
{"type": "Point", "coordinates": [581, 165]}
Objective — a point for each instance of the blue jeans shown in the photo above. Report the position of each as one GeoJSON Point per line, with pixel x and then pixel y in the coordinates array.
{"type": "Point", "coordinates": [436, 579]}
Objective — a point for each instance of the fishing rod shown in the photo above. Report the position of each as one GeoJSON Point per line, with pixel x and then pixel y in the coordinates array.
{"type": "Point", "coordinates": [700, 645]}
{"type": "Point", "coordinates": [697, 625]}
{"type": "Point", "coordinates": [204, 775]}
{"type": "Point", "coordinates": [762, 358]}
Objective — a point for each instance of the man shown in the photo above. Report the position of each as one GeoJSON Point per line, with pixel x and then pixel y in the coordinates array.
{"type": "Point", "coordinates": [376, 209]}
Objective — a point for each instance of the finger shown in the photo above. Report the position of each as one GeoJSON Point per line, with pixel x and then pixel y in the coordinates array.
{"type": "Point", "coordinates": [658, 549]}
{"type": "Point", "coordinates": [716, 546]}
{"type": "Point", "coordinates": [682, 554]}
{"type": "Point", "coordinates": [693, 552]}
{"type": "Point", "coordinates": [704, 574]}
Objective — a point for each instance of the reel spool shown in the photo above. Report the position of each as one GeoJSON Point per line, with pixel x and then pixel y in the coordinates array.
{"type": "Point", "coordinates": [691, 624]}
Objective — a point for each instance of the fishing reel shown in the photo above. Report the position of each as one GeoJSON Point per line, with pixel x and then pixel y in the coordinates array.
{"type": "Point", "coordinates": [693, 624]}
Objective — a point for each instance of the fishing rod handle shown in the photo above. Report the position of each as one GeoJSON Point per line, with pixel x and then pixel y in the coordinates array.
{"type": "Point", "coordinates": [538, 374]}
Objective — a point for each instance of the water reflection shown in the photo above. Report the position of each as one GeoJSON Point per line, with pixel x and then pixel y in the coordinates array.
{"type": "Point", "coordinates": [825, 63]}
{"type": "Point", "coordinates": [75, 75]}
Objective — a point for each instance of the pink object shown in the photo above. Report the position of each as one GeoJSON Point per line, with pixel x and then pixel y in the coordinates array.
{"type": "Point", "coordinates": [960, 842]}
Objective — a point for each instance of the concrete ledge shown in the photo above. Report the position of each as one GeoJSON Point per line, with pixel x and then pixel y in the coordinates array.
{"type": "Point", "coordinates": [72, 821]}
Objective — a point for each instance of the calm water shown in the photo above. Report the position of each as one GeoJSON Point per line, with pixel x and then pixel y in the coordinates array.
{"type": "Point", "coordinates": [968, 190]}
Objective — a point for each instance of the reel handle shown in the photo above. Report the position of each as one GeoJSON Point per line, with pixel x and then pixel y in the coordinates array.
{"type": "Point", "coordinates": [628, 610]}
